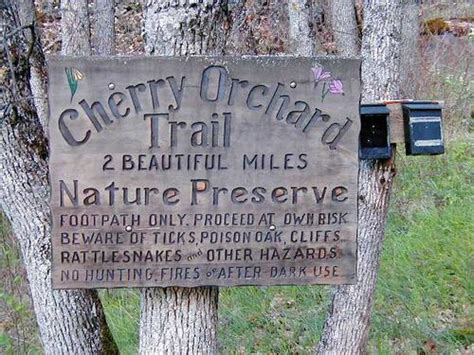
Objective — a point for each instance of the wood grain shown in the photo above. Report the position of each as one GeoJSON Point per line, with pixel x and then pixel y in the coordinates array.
{"type": "Point", "coordinates": [203, 171]}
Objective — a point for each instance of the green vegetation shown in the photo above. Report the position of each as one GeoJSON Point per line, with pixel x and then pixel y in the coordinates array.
{"type": "Point", "coordinates": [18, 329]}
{"type": "Point", "coordinates": [424, 293]}
{"type": "Point", "coordinates": [122, 309]}
{"type": "Point", "coordinates": [425, 281]}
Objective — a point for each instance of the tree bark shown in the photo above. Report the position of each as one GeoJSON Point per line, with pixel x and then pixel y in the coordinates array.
{"type": "Point", "coordinates": [69, 321]}
{"type": "Point", "coordinates": [75, 28]}
{"type": "Point", "coordinates": [410, 59]}
{"type": "Point", "coordinates": [301, 34]}
{"type": "Point", "coordinates": [38, 79]}
{"type": "Point", "coordinates": [344, 26]}
{"type": "Point", "coordinates": [104, 26]}
{"type": "Point", "coordinates": [178, 320]}
{"type": "Point", "coordinates": [347, 326]}
{"type": "Point", "coordinates": [184, 27]}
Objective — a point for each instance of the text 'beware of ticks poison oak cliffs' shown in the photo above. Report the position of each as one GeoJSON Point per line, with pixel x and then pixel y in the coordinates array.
{"type": "Point", "coordinates": [203, 171]}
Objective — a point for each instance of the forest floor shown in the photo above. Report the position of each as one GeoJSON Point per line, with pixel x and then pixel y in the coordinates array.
{"type": "Point", "coordinates": [424, 297]}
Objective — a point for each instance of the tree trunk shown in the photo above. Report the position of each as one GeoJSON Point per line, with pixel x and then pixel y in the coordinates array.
{"type": "Point", "coordinates": [178, 320]}
{"type": "Point", "coordinates": [69, 321]}
{"type": "Point", "coordinates": [410, 60]}
{"type": "Point", "coordinates": [104, 26]}
{"type": "Point", "coordinates": [184, 27]}
{"type": "Point", "coordinates": [301, 35]}
{"type": "Point", "coordinates": [347, 326]}
{"type": "Point", "coordinates": [75, 28]}
{"type": "Point", "coordinates": [38, 79]}
{"type": "Point", "coordinates": [344, 26]}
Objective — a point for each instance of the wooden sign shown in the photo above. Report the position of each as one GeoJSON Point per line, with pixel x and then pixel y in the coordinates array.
{"type": "Point", "coordinates": [203, 171]}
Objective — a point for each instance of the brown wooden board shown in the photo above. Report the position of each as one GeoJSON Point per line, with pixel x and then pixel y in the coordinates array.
{"type": "Point", "coordinates": [203, 171]}
{"type": "Point", "coordinates": [397, 134]}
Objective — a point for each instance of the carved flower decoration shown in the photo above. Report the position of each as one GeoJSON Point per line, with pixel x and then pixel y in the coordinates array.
{"type": "Point", "coordinates": [331, 85]}
{"type": "Point", "coordinates": [320, 75]}
{"type": "Point", "coordinates": [336, 87]}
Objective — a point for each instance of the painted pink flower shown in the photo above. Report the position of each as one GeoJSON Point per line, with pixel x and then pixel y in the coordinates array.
{"type": "Point", "coordinates": [320, 75]}
{"type": "Point", "coordinates": [336, 87]}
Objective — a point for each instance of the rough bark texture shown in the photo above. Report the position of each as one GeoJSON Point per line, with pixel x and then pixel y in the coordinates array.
{"type": "Point", "coordinates": [38, 79]}
{"type": "Point", "coordinates": [181, 320]}
{"type": "Point", "coordinates": [347, 326]}
{"type": "Point", "coordinates": [344, 26]}
{"type": "Point", "coordinates": [69, 321]}
{"type": "Point", "coordinates": [104, 25]}
{"type": "Point", "coordinates": [185, 27]}
{"type": "Point", "coordinates": [301, 38]}
{"type": "Point", "coordinates": [410, 58]}
{"type": "Point", "coordinates": [75, 28]}
{"type": "Point", "coordinates": [177, 320]}
{"type": "Point", "coordinates": [381, 45]}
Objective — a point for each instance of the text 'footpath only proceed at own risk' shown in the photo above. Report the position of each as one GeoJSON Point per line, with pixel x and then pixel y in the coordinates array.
{"type": "Point", "coordinates": [203, 171]}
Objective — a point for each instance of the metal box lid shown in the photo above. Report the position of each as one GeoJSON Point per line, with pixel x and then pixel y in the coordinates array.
{"type": "Point", "coordinates": [374, 109]}
{"type": "Point", "coordinates": [422, 105]}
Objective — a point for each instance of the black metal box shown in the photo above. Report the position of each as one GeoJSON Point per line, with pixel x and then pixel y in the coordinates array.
{"type": "Point", "coordinates": [423, 127]}
{"type": "Point", "coordinates": [374, 138]}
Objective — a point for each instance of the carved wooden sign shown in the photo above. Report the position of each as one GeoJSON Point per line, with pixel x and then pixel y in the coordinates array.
{"type": "Point", "coordinates": [203, 171]}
